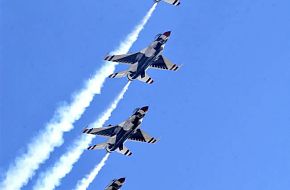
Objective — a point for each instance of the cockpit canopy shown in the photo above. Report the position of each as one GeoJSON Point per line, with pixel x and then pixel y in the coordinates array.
{"type": "Point", "coordinates": [157, 36]}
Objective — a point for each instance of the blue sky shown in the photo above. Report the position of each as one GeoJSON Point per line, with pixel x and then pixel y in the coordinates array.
{"type": "Point", "coordinates": [222, 119]}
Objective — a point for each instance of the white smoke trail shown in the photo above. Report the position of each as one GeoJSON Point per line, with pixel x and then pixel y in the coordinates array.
{"type": "Point", "coordinates": [86, 181]}
{"type": "Point", "coordinates": [52, 177]}
{"type": "Point", "coordinates": [39, 149]}
{"type": "Point", "coordinates": [134, 35]}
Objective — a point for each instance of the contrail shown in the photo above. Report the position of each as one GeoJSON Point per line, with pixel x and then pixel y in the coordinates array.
{"type": "Point", "coordinates": [86, 181]}
{"type": "Point", "coordinates": [38, 150]}
{"type": "Point", "coordinates": [52, 177]}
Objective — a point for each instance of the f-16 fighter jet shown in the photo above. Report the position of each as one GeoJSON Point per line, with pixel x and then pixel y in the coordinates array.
{"type": "Point", "coordinates": [116, 184]}
{"type": "Point", "coordinates": [149, 57]}
{"type": "Point", "coordinates": [173, 2]}
{"type": "Point", "coordinates": [118, 134]}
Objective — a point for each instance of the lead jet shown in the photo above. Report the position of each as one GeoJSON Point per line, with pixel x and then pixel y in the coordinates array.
{"type": "Point", "coordinates": [150, 57]}
{"type": "Point", "coordinates": [118, 134]}
{"type": "Point", "coordinates": [116, 184]}
{"type": "Point", "coordinates": [172, 2]}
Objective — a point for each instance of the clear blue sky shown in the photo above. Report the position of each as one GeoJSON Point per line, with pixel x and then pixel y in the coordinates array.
{"type": "Point", "coordinates": [223, 119]}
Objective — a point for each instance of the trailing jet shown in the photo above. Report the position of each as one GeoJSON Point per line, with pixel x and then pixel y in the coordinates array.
{"type": "Point", "coordinates": [118, 134]}
{"type": "Point", "coordinates": [116, 184]}
{"type": "Point", "coordinates": [149, 57]}
{"type": "Point", "coordinates": [173, 2]}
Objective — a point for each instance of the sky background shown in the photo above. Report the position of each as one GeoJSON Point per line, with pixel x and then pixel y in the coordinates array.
{"type": "Point", "coordinates": [223, 119]}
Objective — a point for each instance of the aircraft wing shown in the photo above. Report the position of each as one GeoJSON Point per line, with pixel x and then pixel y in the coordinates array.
{"type": "Point", "coordinates": [125, 58]}
{"type": "Point", "coordinates": [163, 63]}
{"type": "Point", "coordinates": [104, 131]}
{"type": "Point", "coordinates": [141, 136]}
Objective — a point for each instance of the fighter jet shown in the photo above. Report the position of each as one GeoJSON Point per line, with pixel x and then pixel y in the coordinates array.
{"type": "Point", "coordinates": [116, 184]}
{"type": "Point", "coordinates": [149, 57]}
{"type": "Point", "coordinates": [118, 134]}
{"type": "Point", "coordinates": [173, 2]}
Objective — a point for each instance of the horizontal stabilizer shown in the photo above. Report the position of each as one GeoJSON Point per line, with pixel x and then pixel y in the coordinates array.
{"type": "Point", "coordinates": [147, 79]}
{"type": "Point", "coordinates": [125, 151]}
{"type": "Point", "coordinates": [172, 2]}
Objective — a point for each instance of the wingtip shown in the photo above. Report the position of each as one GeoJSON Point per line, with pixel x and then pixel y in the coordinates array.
{"type": "Point", "coordinates": [151, 81]}
{"type": "Point", "coordinates": [175, 67]}
{"type": "Point", "coordinates": [107, 57]}
{"type": "Point", "coordinates": [85, 130]}
{"type": "Point", "coordinates": [179, 67]}
{"type": "Point", "coordinates": [88, 130]}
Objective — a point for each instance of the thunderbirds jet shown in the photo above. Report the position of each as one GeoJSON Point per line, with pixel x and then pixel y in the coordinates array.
{"type": "Point", "coordinates": [127, 130]}
{"type": "Point", "coordinates": [116, 184]}
{"type": "Point", "coordinates": [173, 2]}
{"type": "Point", "coordinates": [150, 57]}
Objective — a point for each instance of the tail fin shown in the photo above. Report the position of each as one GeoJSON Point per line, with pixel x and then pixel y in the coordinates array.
{"type": "Point", "coordinates": [119, 74]}
{"type": "Point", "coordinates": [125, 151]}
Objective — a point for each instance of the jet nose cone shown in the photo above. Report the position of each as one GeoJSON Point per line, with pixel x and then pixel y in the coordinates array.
{"type": "Point", "coordinates": [145, 108]}
{"type": "Point", "coordinates": [122, 180]}
{"type": "Point", "coordinates": [167, 34]}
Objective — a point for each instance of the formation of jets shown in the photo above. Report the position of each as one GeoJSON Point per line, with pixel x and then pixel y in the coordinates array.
{"type": "Point", "coordinates": [150, 57]}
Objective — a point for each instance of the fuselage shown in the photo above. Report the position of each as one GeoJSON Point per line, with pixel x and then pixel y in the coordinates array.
{"type": "Point", "coordinates": [148, 57]}
{"type": "Point", "coordinates": [129, 127]}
